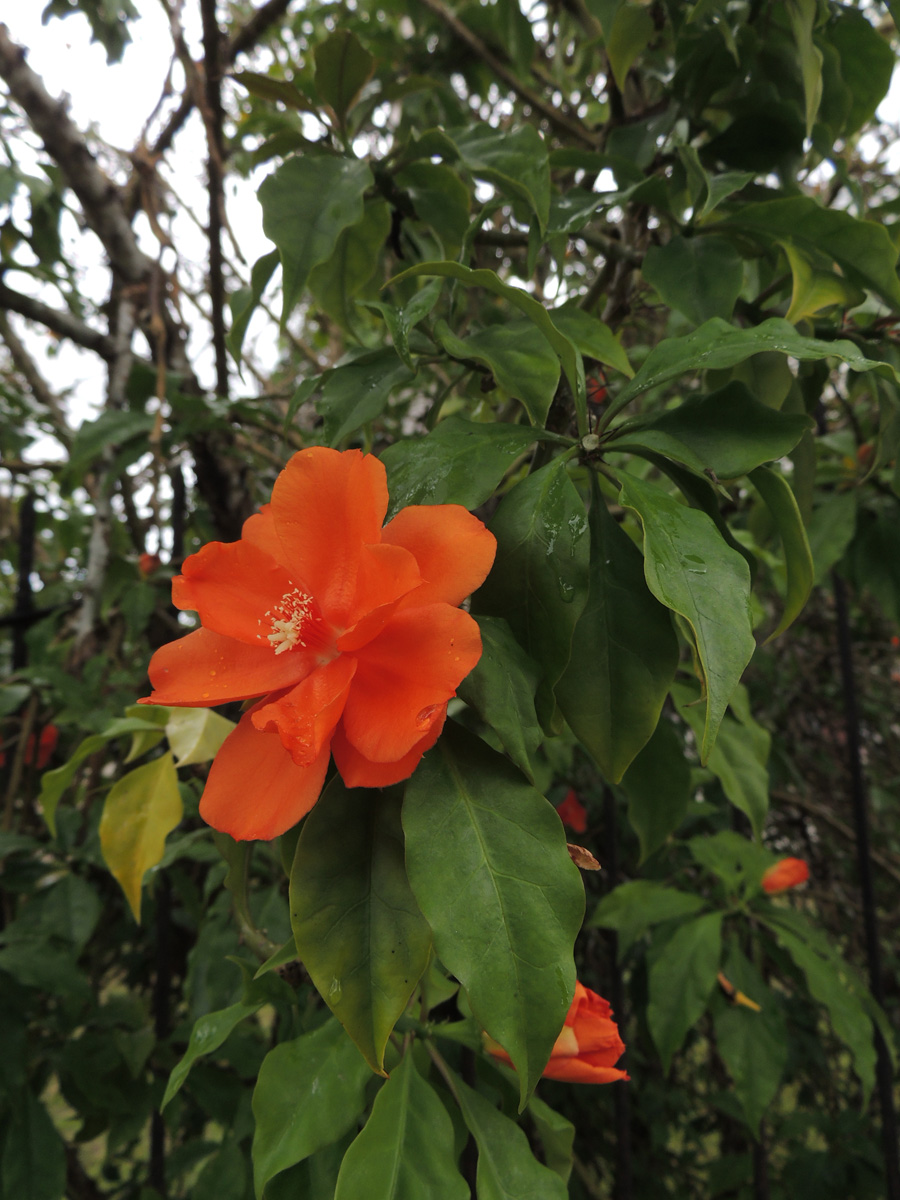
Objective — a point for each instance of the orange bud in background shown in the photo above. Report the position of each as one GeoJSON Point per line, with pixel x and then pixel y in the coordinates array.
{"type": "Point", "coordinates": [147, 564]}
{"type": "Point", "coordinates": [865, 454]}
{"type": "Point", "coordinates": [787, 873]}
{"type": "Point", "coordinates": [572, 812]}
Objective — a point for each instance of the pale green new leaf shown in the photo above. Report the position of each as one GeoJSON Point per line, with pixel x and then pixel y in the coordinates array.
{"type": "Point", "coordinates": [196, 734]}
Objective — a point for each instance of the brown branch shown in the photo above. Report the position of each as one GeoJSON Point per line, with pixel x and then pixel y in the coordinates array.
{"type": "Point", "coordinates": [823, 814]}
{"type": "Point", "coordinates": [100, 199]}
{"type": "Point", "coordinates": [26, 367]}
{"type": "Point", "coordinates": [556, 118]}
{"type": "Point", "coordinates": [60, 322]}
{"type": "Point", "coordinates": [213, 117]}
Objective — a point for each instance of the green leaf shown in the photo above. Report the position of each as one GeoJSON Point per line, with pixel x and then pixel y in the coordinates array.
{"type": "Point", "coordinates": [440, 199]}
{"type": "Point", "coordinates": [306, 204]}
{"type": "Point", "coordinates": [406, 1150]}
{"type": "Point", "coordinates": [196, 734]}
{"type": "Point", "coordinates": [208, 1034]}
{"type": "Point", "coordinates": [506, 904]}
{"type": "Point", "coordinates": [309, 1093]}
{"type": "Point", "coordinates": [634, 907]}
{"type": "Point", "coordinates": [343, 68]}
{"type": "Point", "coordinates": [244, 301]}
{"type": "Point", "coordinates": [33, 1166]}
{"type": "Point", "coordinates": [591, 337]}
{"type": "Point", "coordinates": [279, 91]}
{"type": "Point", "coordinates": [334, 283]}
{"type": "Point", "coordinates": [625, 651]}
{"type": "Point", "coordinates": [862, 249]}
{"type": "Point", "coordinates": [358, 929]}
{"type": "Point", "coordinates": [779, 498]}
{"type": "Point", "coordinates": [114, 428]}
{"type": "Point", "coordinates": [519, 358]}
{"type": "Point", "coordinates": [507, 1170]}
{"type": "Point", "coordinates": [732, 858]}
{"type": "Point", "coordinates": [501, 690]}
{"type": "Point", "coordinates": [738, 758]}
{"type": "Point", "coordinates": [515, 161]}
{"type": "Point", "coordinates": [682, 973]}
{"type": "Point", "coordinates": [359, 391]}
{"type": "Point", "coordinates": [831, 530]}
{"type": "Point", "coordinates": [658, 787]}
{"type": "Point", "coordinates": [701, 276]}
{"type": "Point", "coordinates": [557, 1136]}
{"type": "Point", "coordinates": [691, 570]}
{"type": "Point", "coordinates": [728, 432]}
{"type": "Point", "coordinates": [632, 29]}
{"type": "Point", "coordinates": [141, 809]}
{"type": "Point", "coordinates": [224, 1176]}
{"type": "Point", "coordinates": [539, 581]}
{"type": "Point", "coordinates": [400, 321]}
{"type": "Point", "coordinates": [753, 1045]}
{"type": "Point", "coordinates": [802, 15]}
{"type": "Point", "coordinates": [831, 982]}
{"type": "Point", "coordinates": [568, 355]}
{"type": "Point", "coordinates": [717, 344]}
{"type": "Point", "coordinates": [461, 462]}
{"type": "Point", "coordinates": [866, 63]}
{"type": "Point", "coordinates": [813, 288]}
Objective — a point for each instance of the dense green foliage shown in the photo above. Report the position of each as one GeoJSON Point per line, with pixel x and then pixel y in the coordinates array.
{"type": "Point", "coordinates": [621, 278]}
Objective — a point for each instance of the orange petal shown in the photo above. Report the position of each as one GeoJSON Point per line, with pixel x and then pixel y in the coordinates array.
{"type": "Point", "coordinates": [305, 717]}
{"type": "Point", "coordinates": [453, 549]}
{"type": "Point", "coordinates": [358, 771]}
{"type": "Point", "coordinates": [232, 585]}
{"type": "Point", "coordinates": [386, 573]}
{"type": "Point", "coordinates": [405, 676]}
{"type": "Point", "coordinates": [205, 669]}
{"type": "Point", "coordinates": [261, 532]}
{"type": "Point", "coordinates": [327, 505]}
{"type": "Point", "coordinates": [580, 1070]}
{"type": "Point", "coordinates": [255, 789]}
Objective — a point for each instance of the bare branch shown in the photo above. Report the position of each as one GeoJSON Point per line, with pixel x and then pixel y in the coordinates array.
{"type": "Point", "coordinates": [26, 367]}
{"type": "Point", "coordinates": [100, 199]}
{"type": "Point", "coordinates": [212, 51]}
{"type": "Point", "coordinates": [63, 323]}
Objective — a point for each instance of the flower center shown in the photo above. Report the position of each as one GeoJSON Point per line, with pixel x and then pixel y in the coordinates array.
{"type": "Point", "coordinates": [292, 622]}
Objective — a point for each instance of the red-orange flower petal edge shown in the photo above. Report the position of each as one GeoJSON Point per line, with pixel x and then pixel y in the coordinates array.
{"type": "Point", "coordinates": [572, 812]}
{"type": "Point", "coordinates": [346, 634]}
{"type": "Point", "coordinates": [786, 873]}
{"type": "Point", "coordinates": [588, 1047]}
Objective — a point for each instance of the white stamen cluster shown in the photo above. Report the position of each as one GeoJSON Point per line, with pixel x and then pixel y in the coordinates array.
{"type": "Point", "coordinates": [287, 620]}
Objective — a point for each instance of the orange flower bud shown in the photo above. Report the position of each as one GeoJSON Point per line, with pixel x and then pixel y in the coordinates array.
{"type": "Point", "coordinates": [147, 564]}
{"type": "Point", "coordinates": [572, 812]}
{"type": "Point", "coordinates": [786, 873]}
{"type": "Point", "coordinates": [587, 1047]}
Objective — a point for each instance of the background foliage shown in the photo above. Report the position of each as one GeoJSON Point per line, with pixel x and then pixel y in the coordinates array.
{"type": "Point", "coordinates": [642, 318]}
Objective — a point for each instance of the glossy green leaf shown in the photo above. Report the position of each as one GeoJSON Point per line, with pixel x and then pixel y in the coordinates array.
{"type": "Point", "coordinates": [592, 338]}
{"type": "Point", "coordinates": [519, 358]}
{"type": "Point", "coordinates": [779, 498]}
{"type": "Point", "coordinates": [440, 199]}
{"type": "Point", "coordinates": [306, 204]}
{"type": "Point", "coordinates": [631, 30]}
{"type": "Point", "coordinates": [568, 355]}
{"type": "Point", "coordinates": [539, 580]}
{"type": "Point", "coordinates": [309, 1093]}
{"type": "Point", "coordinates": [208, 1034]}
{"type": "Point", "coordinates": [343, 68]}
{"type": "Point", "coordinates": [507, 1169]}
{"type": "Point", "coordinates": [862, 249]}
{"type": "Point", "coordinates": [700, 276]}
{"type": "Point", "coordinates": [406, 1149]}
{"type": "Point", "coordinates": [717, 344]}
{"type": "Point", "coordinates": [691, 570]}
{"type": "Point", "coordinates": [358, 929]}
{"type": "Point", "coordinates": [141, 809]}
{"type": "Point", "coordinates": [833, 983]}
{"type": "Point", "coordinates": [515, 161]}
{"type": "Point", "coordinates": [634, 907]}
{"type": "Point", "coordinates": [359, 391]}
{"type": "Point", "coordinates": [728, 432]}
{"type": "Point", "coordinates": [33, 1163]}
{"type": "Point", "coordinates": [336, 282]}
{"type": "Point", "coordinates": [196, 734]}
{"type": "Point", "coordinates": [682, 973]}
{"type": "Point", "coordinates": [460, 462]}
{"type": "Point", "coordinates": [401, 321]}
{"type": "Point", "coordinates": [753, 1045]}
{"type": "Point", "coordinates": [624, 652]}
{"type": "Point", "coordinates": [501, 690]}
{"type": "Point", "coordinates": [487, 862]}
{"type": "Point", "coordinates": [658, 787]}
{"type": "Point", "coordinates": [245, 301]}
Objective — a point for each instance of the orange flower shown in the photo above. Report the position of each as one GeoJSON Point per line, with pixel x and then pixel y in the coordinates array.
{"type": "Point", "coordinates": [572, 812]}
{"type": "Point", "coordinates": [784, 874]}
{"type": "Point", "coordinates": [46, 744]}
{"type": "Point", "coordinates": [346, 633]}
{"type": "Point", "coordinates": [588, 1046]}
{"type": "Point", "coordinates": [147, 563]}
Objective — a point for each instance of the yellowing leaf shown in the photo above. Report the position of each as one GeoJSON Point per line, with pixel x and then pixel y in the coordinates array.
{"type": "Point", "coordinates": [815, 289]}
{"type": "Point", "coordinates": [139, 812]}
{"type": "Point", "coordinates": [196, 734]}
